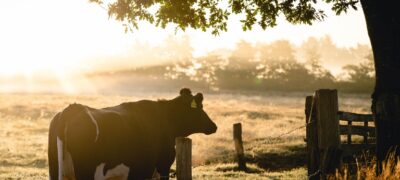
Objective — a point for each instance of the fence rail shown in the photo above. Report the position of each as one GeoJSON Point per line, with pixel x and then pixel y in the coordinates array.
{"type": "Point", "coordinates": [366, 131]}
{"type": "Point", "coordinates": [357, 130]}
{"type": "Point", "coordinates": [354, 117]}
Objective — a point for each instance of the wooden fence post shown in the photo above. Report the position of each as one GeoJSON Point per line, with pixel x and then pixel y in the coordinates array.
{"type": "Point", "coordinates": [366, 132]}
{"type": "Point", "coordinates": [237, 138]}
{"type": "Point", "coordinates": [349, 124]}
{"type": "Point", "coordinates": [311, 139]}
{"type": "Point", "coordinates": [328, 129]}
{"type": "Point", "coordinates": [183, 158]}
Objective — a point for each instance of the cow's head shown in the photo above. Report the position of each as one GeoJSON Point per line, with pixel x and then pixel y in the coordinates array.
{"type": "Point", "coordinates": [188, 114]}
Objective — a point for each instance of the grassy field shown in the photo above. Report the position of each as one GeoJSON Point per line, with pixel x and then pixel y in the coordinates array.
{"type": "Point", "coordinates": [24, 121]}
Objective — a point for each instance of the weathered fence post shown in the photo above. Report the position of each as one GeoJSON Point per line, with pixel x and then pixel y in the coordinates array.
{"type": "Point", "coordinates": [311, 139]}
{"type": "Point", "coordinates": [183, 158]}
{"type": "Point", "coordinates": [328, 129]}
{"type": "Point", "coordinates": [349, 124]}
{"type": "Point", "coordinates": [366, 132]}
{"type": "Point", "coordinates": [237, 138]}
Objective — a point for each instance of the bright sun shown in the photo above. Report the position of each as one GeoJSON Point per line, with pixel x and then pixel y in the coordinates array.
{"type": "Point", "coordinates": [53, 36]}
{"type": "Point", "coordinates": [50, 40]}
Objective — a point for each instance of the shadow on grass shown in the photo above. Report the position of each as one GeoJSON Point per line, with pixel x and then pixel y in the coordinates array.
{"type": "Point", "coordinates": [37, 163]}
{"type": "Point", "coordinates": [294, 157]}
{"type": "Point", "coordinates": [235, 168]}
{"type": "Point", "coordinates": [269, 157]}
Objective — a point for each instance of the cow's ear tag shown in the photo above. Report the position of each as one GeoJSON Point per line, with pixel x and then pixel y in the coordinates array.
{"type": "Point", "coordinates": [193, 104]}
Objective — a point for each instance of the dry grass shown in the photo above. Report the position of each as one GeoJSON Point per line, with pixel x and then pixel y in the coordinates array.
{"type": "Point", "coordinates": [24, 120]}
{"type": "Point", "coordinates": [367, 171]}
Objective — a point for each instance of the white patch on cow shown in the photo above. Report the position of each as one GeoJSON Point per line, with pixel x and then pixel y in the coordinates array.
{"type": "Point", "coordinates": [95, 124]}
{"type": "Point", "coordinates": [119, 172]}
{"type": "Point", "coordinates": [60, 158]}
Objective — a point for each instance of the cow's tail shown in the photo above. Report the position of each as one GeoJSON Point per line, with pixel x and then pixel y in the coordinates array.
{"type": "Point", "coordinates": [54, 150]}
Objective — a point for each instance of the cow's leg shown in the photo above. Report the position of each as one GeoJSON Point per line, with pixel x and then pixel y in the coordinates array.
{"type": "Point", "coordinates": [84, 170]}
{"type": "Point", "coordinates": [165, 162]}
{"type": "Point", "coordinates": [140, 173]}
{"type": "Point", "coordinates": [83, 162]}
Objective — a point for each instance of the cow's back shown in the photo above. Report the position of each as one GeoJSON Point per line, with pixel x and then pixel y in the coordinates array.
{"type": "Point", "coordinates": [130, 134]}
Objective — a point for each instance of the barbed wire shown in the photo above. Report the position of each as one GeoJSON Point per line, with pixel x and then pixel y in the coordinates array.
{"type": "Point", "coordinates": [291, 131]}
{"type": "Point", "coordinates": [270, 139]}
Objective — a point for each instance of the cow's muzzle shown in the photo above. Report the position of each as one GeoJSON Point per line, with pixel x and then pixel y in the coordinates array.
{"type": "Point", "coordinates": [211, 130]}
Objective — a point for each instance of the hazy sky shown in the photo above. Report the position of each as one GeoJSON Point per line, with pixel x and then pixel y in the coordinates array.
{"type": "Point", "coordinates": [60, 35]}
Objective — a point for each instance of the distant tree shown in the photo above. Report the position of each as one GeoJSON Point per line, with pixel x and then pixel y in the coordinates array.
{"type": "Point", "coordinates": [382, 18]}
{"type": "Point", "coordinates": [289, 75]}
{"type": "Point", "coordinates": [363, 72]}
{"type": "Point", "coordinates": [331, 55]}
{"type": "Point", "coordinates": [361, 51]}
{"type": "Point", "coordinates": [280, 50]}
{"type": "Point", "coordinates": [201, 69]}
{"type": "Point", "coordinates": [322, 76]}
{"type": "Point", "coordinates": [243, 56]}
{"type": "Point", "coordinates": [311, 51]}
{"type": "Point", "coordinates": [276, 60]}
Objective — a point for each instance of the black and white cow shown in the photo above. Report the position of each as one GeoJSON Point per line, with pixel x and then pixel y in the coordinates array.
{"type": "Point", "coordinates": [130, 140]}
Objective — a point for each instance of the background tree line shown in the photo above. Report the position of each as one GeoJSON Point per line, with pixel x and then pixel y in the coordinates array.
{"type": "Point", "coordinates": [279, 65]}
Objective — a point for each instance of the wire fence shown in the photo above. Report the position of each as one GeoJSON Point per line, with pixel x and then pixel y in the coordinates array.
{"type": "Point", "coordinates": [271, 139]}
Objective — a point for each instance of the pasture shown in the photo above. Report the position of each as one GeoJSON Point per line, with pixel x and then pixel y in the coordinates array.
{"type": "Point", "coordinates": [265, 117]}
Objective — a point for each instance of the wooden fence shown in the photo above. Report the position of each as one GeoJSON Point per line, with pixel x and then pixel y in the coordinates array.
{"type": "Point", "coordinates": [325, 126]}
{"type": "Point", "coordinates": [183, 158]}
{"type": "Point", "coordinates": [237, 139]}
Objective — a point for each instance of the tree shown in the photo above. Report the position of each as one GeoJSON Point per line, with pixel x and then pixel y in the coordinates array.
{"type": "Point", "coordinates": [362, 73]}
{"type": "Point", "coordinates": [383, 23]}
{"type": "Point", "coordinates": [359, 77]}
{"type": "Point", "coordinates": [323, 77]}
{"type": "Point", "coordinates": [242, 56]}
{"type": "Point", "coordinates": [280, 50]}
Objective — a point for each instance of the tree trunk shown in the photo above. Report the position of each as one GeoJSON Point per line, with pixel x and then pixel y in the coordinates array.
{"type": "Point", "coordinates": [383, 23]}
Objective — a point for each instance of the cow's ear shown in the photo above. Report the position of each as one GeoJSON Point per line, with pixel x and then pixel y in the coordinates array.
{"type": "Point", "coordinates": [185, 92]}
{"type": "Point", "coordinates": [199, 97]}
